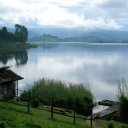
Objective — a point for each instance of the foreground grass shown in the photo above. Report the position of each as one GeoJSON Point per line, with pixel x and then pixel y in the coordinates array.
{"type": "Point", "coordinates": [16, 116]}
{"type": "Point", "coordinates": [105, 124]}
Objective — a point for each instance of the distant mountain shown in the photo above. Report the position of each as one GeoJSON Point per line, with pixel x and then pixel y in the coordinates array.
{"type": "Point", "coordinates": [45, 38]}
{"type": "Point", "coordinates": [81, 35]}
{"type": "Point", "coordinates": [78, 34]}
{"type": "Point", "coordinates": [60, 32]}
{"type": "Point", "coordinates": [107, 34]}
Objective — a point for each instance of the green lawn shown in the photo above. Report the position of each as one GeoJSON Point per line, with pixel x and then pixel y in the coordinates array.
{"type": "Point", "coordinates": [15, 116]}
{"type": "Point", "coordinates": [105, 124]}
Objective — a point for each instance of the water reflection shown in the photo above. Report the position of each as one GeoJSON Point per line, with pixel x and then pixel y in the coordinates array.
{"type": "Point", "coordinates": [97, 66]}
{"type": "Point", "coordinates": [21, 57]}
{"type": "Point", "coordinates": [4, 59]}
{"type": "Point", "coordinates": [49, 45]}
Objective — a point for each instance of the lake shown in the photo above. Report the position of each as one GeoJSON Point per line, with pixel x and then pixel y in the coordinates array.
{"type": "Point", "coordinates": [98, 66]}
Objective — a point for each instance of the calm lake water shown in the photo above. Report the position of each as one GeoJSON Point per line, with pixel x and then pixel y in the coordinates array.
{"type": "Point", "coordinates": [97, 66]}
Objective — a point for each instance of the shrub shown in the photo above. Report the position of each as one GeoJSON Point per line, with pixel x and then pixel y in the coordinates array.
{"type": "Point", "coordinates": [110, 125]}
{"type": "Point", "coordinates": [35, 103]}
{"type": "Point", "coordinates": [2, 125]}
{"type": "Point", "coordinates": [123, 101]}
{"type": "Point", "coordinates": [123, 109]}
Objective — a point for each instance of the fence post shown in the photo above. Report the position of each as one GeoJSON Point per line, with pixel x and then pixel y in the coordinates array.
{"type": "Point", "coordinates": [17, 88]}
{"type": "Point", "coordinates": [74, 114]}
{"type": "Point", "coordinates": [52, 107]}
{"type": "Point", "coordinates": [29, 101]}
{"type": "Point", "coordinates": [91, 116]}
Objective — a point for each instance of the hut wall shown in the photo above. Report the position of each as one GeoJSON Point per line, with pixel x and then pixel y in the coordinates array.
{"type": "Point", "coordinates": [1, 92]}
{"type": "Point", "coordinates": [7, 90]}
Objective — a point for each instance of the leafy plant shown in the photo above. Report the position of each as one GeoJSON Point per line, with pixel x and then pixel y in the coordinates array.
{"type": "Point", "coordinates": [110, 125]}
{"type": "Point", "coordinates": [35, 103]}
{"type": "Point", "coordinates": [2, 125]}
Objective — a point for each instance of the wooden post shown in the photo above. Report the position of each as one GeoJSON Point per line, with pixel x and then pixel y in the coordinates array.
{"type": "Point", "coordinates": [29, 101]}
{"type": "Point", "coordinates": [17, 88]}
{"type": "Point", "coordinates": [52, 107]}
{"type": "Point", "coordinates": [91, 116]}
{"type": "Point", "coordinates": [74, 114]}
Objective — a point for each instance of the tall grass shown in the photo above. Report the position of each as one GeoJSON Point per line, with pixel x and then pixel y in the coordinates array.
{"type": "Point", "coordinates": [123, 101]}
{"type": "Point", "coordinates": [45, 89]}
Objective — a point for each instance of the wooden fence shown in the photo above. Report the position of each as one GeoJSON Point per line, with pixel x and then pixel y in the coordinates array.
{"type": "Point", "coordinates": [62, 104]}
{"type": "Point", "coordinates": [54, 103]}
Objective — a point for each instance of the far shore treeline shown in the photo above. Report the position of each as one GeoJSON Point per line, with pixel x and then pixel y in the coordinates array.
{"type": "Point", "coordinates": [20, 34]}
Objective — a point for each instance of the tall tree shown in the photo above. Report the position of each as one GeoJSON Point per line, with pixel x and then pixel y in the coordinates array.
{"type": "Point", "coordinates": [4, 30]}
{"type": "Point", "coordinates": [4, 33]}
{"type": "Point", "coordinates": [21, 33]}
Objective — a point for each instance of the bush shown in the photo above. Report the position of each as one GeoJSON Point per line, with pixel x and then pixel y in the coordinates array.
{"type": "Point", "coordinates": [123, 101]}
{"type": "Point", "coordinates": [123, 109]}
{"type": "Point", "coordinates": [110, 125]}
{"type": "Point", "coordinates": [24, 96]}
{"type": "Point", "coordinates": [34, 103]}
{"type": "Point", "coordinates": [2, 125]}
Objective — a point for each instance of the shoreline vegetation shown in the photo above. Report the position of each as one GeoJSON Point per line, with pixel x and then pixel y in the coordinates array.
{"type": "Point", "coordinates": [14, 115]}
{"type": "Point", "coordinates": [10, 47]}
{"type": "Point", "coordinates": [43, 90]}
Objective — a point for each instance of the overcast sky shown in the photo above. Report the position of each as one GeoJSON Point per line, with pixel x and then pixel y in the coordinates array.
{"type": "Point", "coordinates": [87, 14]}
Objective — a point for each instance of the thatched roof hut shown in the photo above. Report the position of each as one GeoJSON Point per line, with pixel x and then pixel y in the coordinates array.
{"type": "Point", "coordinates": [8, 83]}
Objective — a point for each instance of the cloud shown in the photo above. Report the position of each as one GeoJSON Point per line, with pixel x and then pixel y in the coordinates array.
{"type": "Point", "coordinates": [115, 4]}
{"type": "Point", "coordinates": [89, 14]}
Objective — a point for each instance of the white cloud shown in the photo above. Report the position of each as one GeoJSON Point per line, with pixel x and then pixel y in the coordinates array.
{"type": "Point", "coordinates": [88, 14]}
{"type": "Point", "coordinates": [66, 3]}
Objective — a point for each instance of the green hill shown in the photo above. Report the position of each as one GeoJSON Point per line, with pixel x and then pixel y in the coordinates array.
{"type": "Point", "coordinates": [16, 116]}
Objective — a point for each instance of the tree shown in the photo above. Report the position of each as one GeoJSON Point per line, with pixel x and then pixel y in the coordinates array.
{"type": "Point", "coordinates": [21, 33]}
{"type": "Point", "coordinates": [4, 30]}
{"type": "Point", "coordinates": [4, 33]}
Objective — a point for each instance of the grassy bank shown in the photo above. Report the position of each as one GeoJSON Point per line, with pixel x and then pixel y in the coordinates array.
{"type": "Point", "coordinates": [105, 124]}
{"type": "Point", "coordinates": [15, 116]}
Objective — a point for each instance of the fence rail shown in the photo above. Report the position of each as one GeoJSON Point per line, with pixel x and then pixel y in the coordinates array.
{"type": "Point", "coordinates": [74, 116]}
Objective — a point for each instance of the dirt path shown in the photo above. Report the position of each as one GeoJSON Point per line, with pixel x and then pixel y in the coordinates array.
{"type": "Point", "coordinates": [95, 124]}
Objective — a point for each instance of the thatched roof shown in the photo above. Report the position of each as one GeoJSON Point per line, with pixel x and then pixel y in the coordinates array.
{"type": "Point", "coordinates": [7, 75]}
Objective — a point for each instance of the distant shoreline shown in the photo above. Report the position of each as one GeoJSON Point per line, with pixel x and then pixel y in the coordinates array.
{"type": "Point", "coordinates": [76, 42]}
